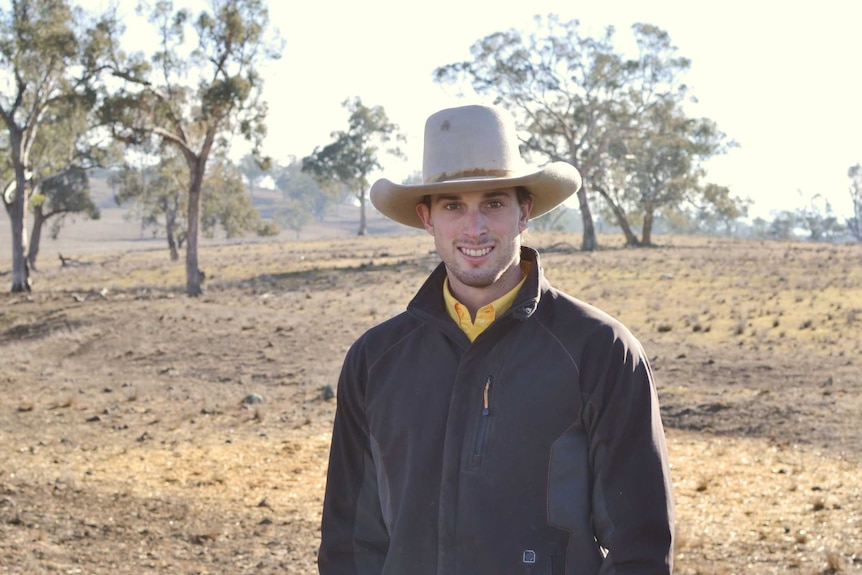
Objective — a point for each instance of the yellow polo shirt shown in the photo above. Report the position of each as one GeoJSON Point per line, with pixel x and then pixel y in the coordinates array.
{"type": "Point", "coordinates": [487, 314]}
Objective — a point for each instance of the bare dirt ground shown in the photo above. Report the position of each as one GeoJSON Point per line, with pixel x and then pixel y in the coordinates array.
{"type": "Point", "coordinates": [142, 431]}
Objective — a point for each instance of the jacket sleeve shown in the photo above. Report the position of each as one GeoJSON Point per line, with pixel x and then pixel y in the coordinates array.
{"type": "Point", "coordinates": [354, 539]}
{"type": "Point", "coordinates": [633, 509]}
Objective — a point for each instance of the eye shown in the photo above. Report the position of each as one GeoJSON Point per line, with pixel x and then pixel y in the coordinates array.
{"type": "Point", "coordinates": [450, 206]}
{"type": "Point", "coordinates": [495, 204]}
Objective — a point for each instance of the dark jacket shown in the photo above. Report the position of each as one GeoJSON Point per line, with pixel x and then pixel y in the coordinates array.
{"type": "Point", "coordinates": [537, 449]}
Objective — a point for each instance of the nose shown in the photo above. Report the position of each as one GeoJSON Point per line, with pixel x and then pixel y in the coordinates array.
{"type": "Point", "coordinates": [475, 224]}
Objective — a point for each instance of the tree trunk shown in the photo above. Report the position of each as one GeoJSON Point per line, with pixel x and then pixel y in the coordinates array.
{"type": "Point", "coordinates": [194, 276]}
{"type": "Point", "coordinates": [18, 214]}
{"type": "Point", "coordinates": [172, 244]}
{"type": "Point", "coordinates": [35, 236]}
{"type": "Point", "coordinates": [589, 242]}
{"type": "Point", "coordinates": [857, 209]}
{"type": "Point", "coordinates": [363, 224]}
{"type": "Point", "coordinates": [171, 229]}
{"type": "Point", "coordinates": [646, 233]}
{"type": "Point", "coordinates": [631, 239]}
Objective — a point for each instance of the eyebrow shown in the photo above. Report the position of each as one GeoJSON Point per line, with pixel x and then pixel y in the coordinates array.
{"type": "Point", "coordinates": [456, 197]}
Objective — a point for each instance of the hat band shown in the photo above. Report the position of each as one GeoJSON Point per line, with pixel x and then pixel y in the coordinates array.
{"type": "Point", "coordinates": [466, 174]}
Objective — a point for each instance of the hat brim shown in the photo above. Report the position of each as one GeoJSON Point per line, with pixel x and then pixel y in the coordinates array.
{"type": "Point", "coordinates": [550, 187]}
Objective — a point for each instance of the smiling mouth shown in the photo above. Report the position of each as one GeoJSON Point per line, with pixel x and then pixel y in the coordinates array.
{"type": "Point", "coordinates": [475, 253]}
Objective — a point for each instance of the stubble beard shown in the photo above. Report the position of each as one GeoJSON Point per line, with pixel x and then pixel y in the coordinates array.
{"type": "Point", "coordinates": [475, 278]}
{"type": "Point", "coordinates": [481, 277]}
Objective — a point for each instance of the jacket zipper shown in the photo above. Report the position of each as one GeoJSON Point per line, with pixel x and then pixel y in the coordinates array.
{"type": "Point", "coordinates": [484, 422]}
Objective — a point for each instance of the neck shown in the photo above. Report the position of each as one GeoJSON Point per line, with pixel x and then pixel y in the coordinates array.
{"type": "Point", "coordinates": [475, 298]}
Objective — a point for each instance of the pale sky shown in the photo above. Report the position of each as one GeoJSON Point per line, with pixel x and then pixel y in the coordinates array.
{"type": "Point", "coordinates": [781, 80]}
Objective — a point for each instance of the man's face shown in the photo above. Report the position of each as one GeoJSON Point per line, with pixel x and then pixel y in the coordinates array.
{"type": "Point", "coordinates": [477, 235]}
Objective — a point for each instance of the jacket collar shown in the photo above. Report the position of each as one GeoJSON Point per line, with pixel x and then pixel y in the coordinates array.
{"type": "Point", "coordinates": [429, 298]}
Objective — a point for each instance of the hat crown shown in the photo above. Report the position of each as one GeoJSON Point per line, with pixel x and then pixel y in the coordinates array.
{"type": "Point", "coordinates": [471, 142]}
{"type": "Point", "coordinates": [474, 149]}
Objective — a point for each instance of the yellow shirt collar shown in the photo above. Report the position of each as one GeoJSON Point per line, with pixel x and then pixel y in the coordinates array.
{"type": "Point", "coordinates": [486, 315]}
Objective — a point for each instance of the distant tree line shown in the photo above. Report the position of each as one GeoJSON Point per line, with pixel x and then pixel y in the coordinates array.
{"type": "Point", "coordinates": [161, 122]}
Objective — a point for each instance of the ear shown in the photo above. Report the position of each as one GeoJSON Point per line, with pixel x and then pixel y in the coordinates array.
{"type": "Point", "coordinates": [526, 210]}
{"type": "Point", "coordinates": [425, 215]}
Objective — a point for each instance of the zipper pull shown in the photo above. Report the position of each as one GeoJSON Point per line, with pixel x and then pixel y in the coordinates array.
{"type": "Point", "coordinates": [486, 406]}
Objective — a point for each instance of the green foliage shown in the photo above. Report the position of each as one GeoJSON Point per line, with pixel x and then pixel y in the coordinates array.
{"type": "Point", "coordinates": [254, 169]}
{"type": "Point", "coordinates": [51, 56]}
{"type": "Point", "coordinates": [190, 91]}
{"type": "Point", "coordinates": [37, 39]}
{"type": "Point", "coordinates": [226, 204]}
{"type": "Point", "coordinates": [782, 225]}
{"type": "Point", "coordinates": [66, 146]}
{"type": "Point", "coordinates": [158, 196]}
{"type": "Point", "coordinates": [716, 210]}
{"type": "Point", "coordinates": [304, 193]}
{"type": "Point", "coordinates": [304, 198]}
{"type": "Point", "coordinates": [664, 170]}
{"type": "Point", "coordinates": [354, 154]}
{"type": "Point", "coordinates": [66, 192]}
{"type": "Point", "coordinates": [268, 229]}
{"type": "Point", "coordinates": [293, 216]}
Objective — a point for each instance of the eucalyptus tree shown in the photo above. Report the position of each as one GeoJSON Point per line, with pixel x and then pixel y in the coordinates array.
{"type": "Point", "coordinates": [303, 197]}
{"type": "Point", "coordinates": [354, 154]}
{"type": "Point", "coordinates": [664, 170]}
{"type": "Point", "coordinates": [782, 225]}
{"type": "Point", "coordinates": [254, 169]}
{"type": "Point", "coordinates": [659, 160]}
{"type": "Point", "coordinates": [227, 206]}
{"type": "Point", "coordinates": [50, 54]}
{"type": "Point", "coordinates": [195, 94]}
{"type": "Point", "coordinates": [565, 90]}
{"type": "Point", "coordinates": [716, 206]}
{"type": "Point", "coordinates": [60, 196]}
{"type": "Point", "coordinates": [158, 198]}
{"type": "Point", "coordinates": [820, 221]}
{"type": "Point", "coordinates": [68, 145]}
{"type": "Point", "coordinates": [613, 115]}
{"type": "Point", "coordinates": [293, 214]}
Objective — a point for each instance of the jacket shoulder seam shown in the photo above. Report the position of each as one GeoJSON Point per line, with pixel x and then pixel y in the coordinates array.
{"type": "Point", "coordinates": [394, 344]}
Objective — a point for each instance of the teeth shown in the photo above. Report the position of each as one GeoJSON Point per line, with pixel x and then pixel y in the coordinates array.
{"type": "Point", "coordinates": [476, 253]}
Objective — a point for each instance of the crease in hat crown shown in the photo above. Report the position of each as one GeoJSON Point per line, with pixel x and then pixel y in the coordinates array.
{"type": "Point", "coordinates": [470, 142]}
{"type": "Point", "coordinates": [470, 174]}
{"type": "Point", "coordinates": [473, 148]}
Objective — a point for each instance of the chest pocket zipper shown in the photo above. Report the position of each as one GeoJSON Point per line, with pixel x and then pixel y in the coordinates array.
{"type": "Point", "coordinates": [484, 423]}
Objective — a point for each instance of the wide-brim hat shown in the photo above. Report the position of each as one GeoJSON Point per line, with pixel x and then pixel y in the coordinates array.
{"type": "Point", "coordinates": [474, 148]}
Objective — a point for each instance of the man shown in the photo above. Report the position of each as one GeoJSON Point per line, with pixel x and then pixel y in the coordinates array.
{"type": "Point", "coordinates": [497, 426]}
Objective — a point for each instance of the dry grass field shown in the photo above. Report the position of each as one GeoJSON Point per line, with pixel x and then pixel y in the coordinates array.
{"type": "Point", "coordinates": [142, 431]}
